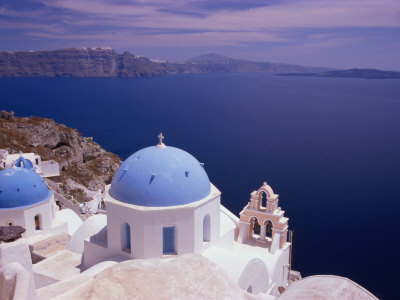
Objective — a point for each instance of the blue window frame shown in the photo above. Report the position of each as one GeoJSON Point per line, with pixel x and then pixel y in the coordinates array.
{"type": "Point", "coordinates": [128, 236]}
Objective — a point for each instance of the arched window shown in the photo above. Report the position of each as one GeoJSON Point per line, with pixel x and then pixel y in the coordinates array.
{"type": "Point", "coordinates": [126, 237]}
{"type": "Point", "coordinates": [206, 228]}
{"type": "Point", "coordinates": [38, 222]}
{"type": "Point", "coordinates": [269, 229]}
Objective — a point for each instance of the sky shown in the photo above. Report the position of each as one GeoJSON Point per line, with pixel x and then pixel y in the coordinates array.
{"type": "Point", "coordinates": [329, 33]}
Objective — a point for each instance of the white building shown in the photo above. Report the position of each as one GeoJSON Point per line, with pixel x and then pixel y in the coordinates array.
{"type": "Point", "coordinates": [25, 200]}
{"type": "Point", "coordinates": [161, 204]}
{"type": "Point", "coordinates": [47, 168]}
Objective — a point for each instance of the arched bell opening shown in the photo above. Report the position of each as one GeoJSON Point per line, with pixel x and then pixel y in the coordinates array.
{"type": "Point", "coordinates": [255, 227]}
{"type": "Point", "coordinates": [263, 197]}
{"type": "Point", "coordinates": [268, 228]}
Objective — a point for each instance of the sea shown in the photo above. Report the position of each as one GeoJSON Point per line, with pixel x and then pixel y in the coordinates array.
{"type": "Point", "coordinates": [330, 147]}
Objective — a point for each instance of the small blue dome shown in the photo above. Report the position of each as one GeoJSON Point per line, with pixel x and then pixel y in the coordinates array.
{"type": "Point", "coordinates": [160, 176]}
{"type": "Point", "coordinates": [21, 187]}
{"type": "Point", "coordinates": [24, 163]}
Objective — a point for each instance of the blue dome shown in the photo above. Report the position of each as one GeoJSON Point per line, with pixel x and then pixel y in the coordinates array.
{"type": "Point", "coordinates": [21, 187]}
{"type": "Point", "coordinates": [160, 176]}
{"type": "Point", "coordinates": [24, 163]}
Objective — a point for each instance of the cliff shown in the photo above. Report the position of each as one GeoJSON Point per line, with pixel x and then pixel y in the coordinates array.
{"type": "Point", "coordinates": [351, 73]}
{"type": "Point", "coordinates": [82, 161]}
{"type": "Point", "coordinates": [130, 65]}
{"type": "Point", "coordinates": [105, 62]}
{"type": "Point", "coordinates": [216, 63]}
{"type": "Point", "coordinates": [81, 62]}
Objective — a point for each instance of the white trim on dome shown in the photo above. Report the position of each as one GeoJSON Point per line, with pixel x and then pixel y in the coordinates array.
{"type": "Point", "coordinates": [213, 193]}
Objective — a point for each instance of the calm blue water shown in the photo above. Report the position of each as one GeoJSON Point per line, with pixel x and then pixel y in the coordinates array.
{"type": "Point", "coordinates": [329, 147]}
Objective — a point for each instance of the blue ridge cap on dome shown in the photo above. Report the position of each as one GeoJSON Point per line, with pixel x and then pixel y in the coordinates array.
{"type": "Point", "coordinates": [160, 176]}
{"type": "Point", "coordinates": [20, 187]}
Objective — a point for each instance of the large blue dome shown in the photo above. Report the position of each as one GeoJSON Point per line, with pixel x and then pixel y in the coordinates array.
{"type": "Point", "coordinates": [21, 187]}
{"type": "Point", "coordinates": [160, 176]}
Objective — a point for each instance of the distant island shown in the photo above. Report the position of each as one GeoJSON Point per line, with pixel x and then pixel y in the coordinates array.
{"type": "Point", "coordinates": [351, 73]}
{"type": "Point", "coordinates": [106, 62]}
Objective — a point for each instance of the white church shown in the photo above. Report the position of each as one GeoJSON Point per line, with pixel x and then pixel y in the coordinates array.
{"type": "Point", "coordinates": [160, 205]}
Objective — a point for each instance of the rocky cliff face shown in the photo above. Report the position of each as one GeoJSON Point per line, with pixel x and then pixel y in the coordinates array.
{"type": "Point", "coordinates": [82, 161]}
{"type": "Point", "coordinates": [216, 63]}
{"type": "Point", "coordinates": [353, 73]}
{"type": "Point", "coordinates": [130, 65]}
{"type": "Point", "coordinates": [83, 62]}
{"type": "Point", "coordinates": [105, 62]}
{"type": "Point", "coordinates": [80, 62]}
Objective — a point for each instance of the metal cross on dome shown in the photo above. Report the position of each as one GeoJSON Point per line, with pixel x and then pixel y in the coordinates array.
{"type": "Point", "coordinates": [160, 139]}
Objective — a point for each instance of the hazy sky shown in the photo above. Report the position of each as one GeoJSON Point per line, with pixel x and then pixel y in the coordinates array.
{"type": "Point", "coordinates": [333, 33]}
